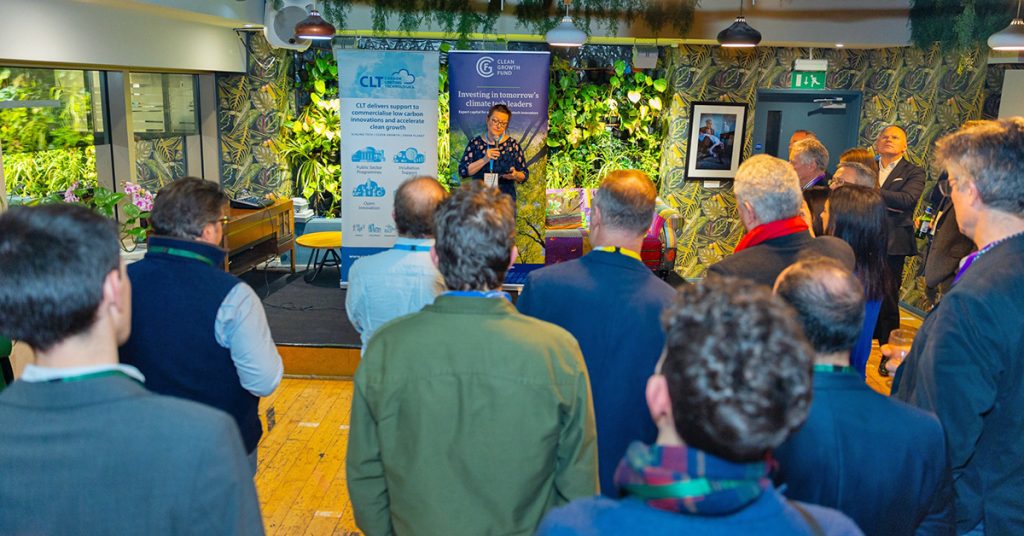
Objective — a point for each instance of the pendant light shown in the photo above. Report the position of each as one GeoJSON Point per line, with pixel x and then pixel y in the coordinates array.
{"type": "Point", "coordinates": [314, 27]}
{"type": "Point", "coordinates": [740, 34]}
{"type": "Point", "coordinates": [1011, 37]}
{"type": "Point", "coordinates": [566, 34]}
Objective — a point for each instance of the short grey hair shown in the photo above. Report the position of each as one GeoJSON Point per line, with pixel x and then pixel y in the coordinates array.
{"type": "Point", "coordinates": [810, 150]}
{"type": "Point", "coordinates": [992, 155]}
{"type": "Point", "coordinates": [626, 199]}
{"type": "Point", "coordinates": [771, 186]}
{"type": "Point", "coordinates": [864, 176]}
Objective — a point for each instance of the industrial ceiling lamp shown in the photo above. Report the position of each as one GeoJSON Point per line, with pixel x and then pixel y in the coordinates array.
{"type": "Point", "coordinates": [1011, 37]}
{"type": "Point", "coordinates": [566, 34]}
{"type": "Point", "coordinates": [314, 27]}
{"type": "Point", "coordinates": [740, 34]}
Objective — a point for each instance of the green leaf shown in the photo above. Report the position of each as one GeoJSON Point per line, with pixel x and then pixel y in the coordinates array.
{"type": "Point", "coordinates": [615, 81]}
{"type": "Point", "coordinates": [320, 86]}
{"type": "Point", "coordinates": [660, 85]}
{"type": "Point", "coordinates": [321, 64]}
{"type": "Point", "coordinates": [620, 67]}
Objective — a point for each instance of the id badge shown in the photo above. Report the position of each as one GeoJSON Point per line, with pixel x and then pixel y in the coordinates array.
{"type": "Point", "coordinates": [491, 180]}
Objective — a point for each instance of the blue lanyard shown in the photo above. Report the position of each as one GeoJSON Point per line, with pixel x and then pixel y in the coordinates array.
{"type": "Point", "coordinates": [479, 294]}
{"type": "Point", "coordinates": [411, 247]}
{"type": "Point", "coordinates": [834, 368]}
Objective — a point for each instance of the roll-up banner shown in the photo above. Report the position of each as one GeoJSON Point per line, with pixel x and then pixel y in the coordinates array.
{"type": "Point", "coordinates": [519, 80]}
{"type": "Point", "coordinates": [388, 134]}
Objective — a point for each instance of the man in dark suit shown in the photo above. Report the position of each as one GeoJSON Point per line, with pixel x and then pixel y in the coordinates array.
{"type": "Point", "coordinates": [947, 247]}
{"type": "Point", "coordinates": [856, 443]}
{"type": "Point", "coordinates": [769, 201]}
{"type": "Point", "coordinates": [612, 304]}
{"type": "Point", "coordinates": [965, 364]}
{"type": "Point", "coordinates": [85, 448]}
{"type": "Point", "coordinates": [901, 186]}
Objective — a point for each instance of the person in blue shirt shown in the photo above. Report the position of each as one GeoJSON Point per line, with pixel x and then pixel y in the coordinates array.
{"type": "Point", "coordinates": [495, 155]}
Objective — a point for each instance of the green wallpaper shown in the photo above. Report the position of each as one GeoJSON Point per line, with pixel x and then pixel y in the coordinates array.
{"type": "Point", "coordinates": [250, 111]}
{"type": "Point", "coordinates": [927, 92]}
{"type": "Point", "coordinates": [159, 162]}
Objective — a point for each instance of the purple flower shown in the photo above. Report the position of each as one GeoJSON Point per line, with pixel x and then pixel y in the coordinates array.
{"type": "Point", "coordinates": [69, 194]}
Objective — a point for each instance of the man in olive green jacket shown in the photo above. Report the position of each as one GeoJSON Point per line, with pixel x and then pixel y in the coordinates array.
{"type": "Point", "coordinates": [468, 417]}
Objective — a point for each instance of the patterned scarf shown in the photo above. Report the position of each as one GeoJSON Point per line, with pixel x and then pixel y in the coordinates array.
{"type": "Point", "coordinates": [687, 480]}
{"type": "Point", "coordinates": [770, 230]}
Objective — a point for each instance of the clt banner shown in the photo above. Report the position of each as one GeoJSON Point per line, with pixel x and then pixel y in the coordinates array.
{"type": "Point", "coordinates": [519, 80]}
{"type": "Point", "coordinates": [388, 134]}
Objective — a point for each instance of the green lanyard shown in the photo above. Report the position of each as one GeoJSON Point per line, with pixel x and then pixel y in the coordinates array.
{"type": "Point", "coordinates": [835, 368]}
{"type": "Point", "coordinates": [182, 253]}
{"type": "Point", "coordinates": [92, 375]}
{"type": "Point", "coordinates": [686, 489]}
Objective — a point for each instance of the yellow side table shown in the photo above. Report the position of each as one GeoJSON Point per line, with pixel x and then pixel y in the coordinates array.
{"type": "Point", "coordinates": [326, 242]}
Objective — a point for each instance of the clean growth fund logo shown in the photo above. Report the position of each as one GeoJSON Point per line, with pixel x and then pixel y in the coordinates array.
{"type": "Point", "coordinates": [485, 66]}
{"type": "Point", "coordinates": [488, 66]}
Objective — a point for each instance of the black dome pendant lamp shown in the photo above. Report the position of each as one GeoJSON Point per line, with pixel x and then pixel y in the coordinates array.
{"type": "Point", "coordinates": [740, 34]}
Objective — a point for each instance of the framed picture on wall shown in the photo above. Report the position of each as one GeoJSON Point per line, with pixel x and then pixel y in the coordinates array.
{"type": "Point", "coordinates": [716, 140]}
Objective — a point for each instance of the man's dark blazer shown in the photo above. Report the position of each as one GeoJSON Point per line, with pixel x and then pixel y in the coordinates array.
{"type": "Point", "coordinates": [106, 456]}
{"type": "Point", "coordinates": [901, 192]}
{"type": "Point", "coordinates": [764, 262]}
{"type": "Point", "coordinates": [875, 459]}
{"type": "Point", "coordinates": [612, 304]}
{"type": "Point", "coordinates": [948, 246]}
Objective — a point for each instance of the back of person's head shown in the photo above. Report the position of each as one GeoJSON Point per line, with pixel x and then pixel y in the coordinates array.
{"type": "Point", "coordinates": [829, 301]}
{"type": "Point", "coordinates": [991, 155]}
{"type": "Point", "coordinates": [770, 185]}
{"type": "Point", "coordinates": [737, 367]}
{"type": "Point", "coordinates": [183, 208]}
{"type": "Point", "coordinates": [810, 151]}
{"type": "Point", "coordinates": [856, 173]}
{"type": "Point", "coordinates": [815, 198]}
{"type": "Point", "coordinates": [476, 232]}
{"type": "Point", "coordinates": [53, 262]}
{"type": "Point", "coordinates": [860, 155]}
{"type": "Point", "coordinates": [856, 214]}
{"type": "Point", "coordinates": [416, 201]}
{"type": "Point", "coordinates": [626, 200]}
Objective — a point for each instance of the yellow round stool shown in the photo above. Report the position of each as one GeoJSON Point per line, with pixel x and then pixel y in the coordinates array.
{"type": "Point", "coordinates": [327, 242]}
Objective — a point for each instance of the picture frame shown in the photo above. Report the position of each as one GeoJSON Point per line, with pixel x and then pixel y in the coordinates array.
{"type": "Point", "coordinates": [715, 150]}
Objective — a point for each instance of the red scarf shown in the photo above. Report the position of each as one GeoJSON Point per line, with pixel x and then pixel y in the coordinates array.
{"type": "Point", "coordinates": [770, 230]}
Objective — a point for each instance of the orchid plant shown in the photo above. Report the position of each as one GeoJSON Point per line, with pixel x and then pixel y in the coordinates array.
{"type": "Point", "coordinates": [136, 203]}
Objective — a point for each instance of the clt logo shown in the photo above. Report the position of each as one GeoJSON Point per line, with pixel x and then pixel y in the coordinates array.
{"type": "Point", "coordinates": [485, 67]}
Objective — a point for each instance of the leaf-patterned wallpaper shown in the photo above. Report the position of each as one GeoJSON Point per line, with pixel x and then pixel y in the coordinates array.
{"type": "Point", "coordinates": [159, 162]}
{"type": "Point", "coordinates": [925, 91]}
{"type": "Point", "coordinates": [250, 111]}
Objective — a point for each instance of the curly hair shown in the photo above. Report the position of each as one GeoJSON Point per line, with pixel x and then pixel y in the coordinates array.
{"type": "Point", "coordinates": [476, 231]}
{"type": "Point", "coordinates": [737, 366]}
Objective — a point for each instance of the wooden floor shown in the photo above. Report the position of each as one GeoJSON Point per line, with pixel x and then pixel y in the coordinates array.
{"type": "Point", "coordinates": [301, 473]}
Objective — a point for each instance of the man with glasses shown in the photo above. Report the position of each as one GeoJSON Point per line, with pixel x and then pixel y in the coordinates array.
{"type": "Point", "coordinates": [198, 332]}
{"type": "Point", "coordinates": [494, 157]}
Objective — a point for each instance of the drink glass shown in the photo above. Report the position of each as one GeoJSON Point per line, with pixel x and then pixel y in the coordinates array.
{"type": "Point", "coordinates": [900, 341]}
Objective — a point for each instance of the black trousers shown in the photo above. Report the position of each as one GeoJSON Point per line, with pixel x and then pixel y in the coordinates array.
{"type": "Point", "coordinates": [889, 312]}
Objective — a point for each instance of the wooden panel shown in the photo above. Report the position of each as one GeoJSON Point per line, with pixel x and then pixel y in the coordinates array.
{"type": "Point", "coordinates": [253, 236]}
{"type": "Point", "coordinates": [319, 362]}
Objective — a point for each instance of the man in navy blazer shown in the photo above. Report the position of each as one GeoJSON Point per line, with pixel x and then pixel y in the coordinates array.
{"type": "Point", "coordinates": [901, 184]}
{"type": "Point", "coordinates": [612, 304]}
{"type": "Point", "coordinates": [86, 449]}
{"type": "Point", "coordinates": [877, 460]}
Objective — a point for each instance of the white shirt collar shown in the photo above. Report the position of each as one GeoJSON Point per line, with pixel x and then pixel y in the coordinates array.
{"type": "Point", "coordinates": [883, 172]}
{"type": "Point", "coordinates": [35, 373]}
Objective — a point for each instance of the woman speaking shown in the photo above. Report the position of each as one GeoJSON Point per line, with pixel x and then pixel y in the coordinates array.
{"type": "Point", "coordinates": [494, 157]}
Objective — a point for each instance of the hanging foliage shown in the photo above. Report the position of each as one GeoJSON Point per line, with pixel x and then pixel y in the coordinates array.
{"type": "Point", "coordinates": [971, 22]}
{"type": "Point", "coordinates": [463, 17]}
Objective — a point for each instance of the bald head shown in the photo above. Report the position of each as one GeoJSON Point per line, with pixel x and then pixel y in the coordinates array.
{"type": "Point", "coordinates": [415, 203]}
{"type": "Point", "coordinates": [829, 301]}
{"type": "Point", "coordinates": [626, 200]}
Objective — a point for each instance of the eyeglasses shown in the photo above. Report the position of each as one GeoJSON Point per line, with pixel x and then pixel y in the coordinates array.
{"type": "Point", "coordinates": [946, 186]}
{"type": "Point", "coordinates": [497, 123]}
{"type": "Point", "coordinates": [223, 220]}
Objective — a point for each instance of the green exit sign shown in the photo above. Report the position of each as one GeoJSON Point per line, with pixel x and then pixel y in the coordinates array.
{"type": "Point", "coordinates": [808, 80]}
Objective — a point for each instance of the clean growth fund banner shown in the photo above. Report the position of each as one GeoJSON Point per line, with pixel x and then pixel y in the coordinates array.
{"type": "Point", "coordinates": [388, 134]}
{"type": "Point", "coordinates": [519, 80]}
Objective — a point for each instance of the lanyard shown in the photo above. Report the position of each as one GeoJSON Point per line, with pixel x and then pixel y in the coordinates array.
{"type": "Point", "coordinates": [621, 251]}
{"type": "Point", "coordinates": [91, 375]}
{"type": "Point", "coordinates": [177, 252]}
{"type": "Point", "coordinates": [835, 368]}
{"type": "Point", "coordinates": [969, 260]}
{"type": "Point", "coordinates": [411, 247]}
{"type": "Point", "coordinates": [479, 294]}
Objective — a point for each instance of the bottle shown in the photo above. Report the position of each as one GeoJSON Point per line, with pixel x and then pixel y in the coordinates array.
{"type": "Point", "coordinates": [924, 229]}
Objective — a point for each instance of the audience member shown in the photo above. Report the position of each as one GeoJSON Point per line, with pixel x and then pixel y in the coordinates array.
{"type": "Point", "coordinates": [469, 417]}
{"type": "Point", "coordinates": [856, 214]}
{"type": "Point", "coordinates": [810, 160]}
{"type": "Point", "coordinates": [947, 246]}
{"type": "Point", "coordinates": [733, 383]}
{"type": "Point", "coordinates": [611, 303]}
{"type": "Point", "coordinates": [799, 135]}
{"type": "Point", "coordinates": [859, 155]}
{"type": "Point", "coordinates": [85, 449]}
{"type": "Point", "coordinates": [769, 201]}
{"type": "Point", "coordinates": [402, 279]}
{"type": "Point", "coordinates": [901, 185]}
{"type": "Point", "coordinates": [965, 364]}
{"type": "Point", "coordinates": [198, 332]}
{"type": "Point", "coordinates": [824, 462]}
{"type": "Point", "coordinates": [854, 173]}
{"type": "Point", "coordinates": [6, 376]}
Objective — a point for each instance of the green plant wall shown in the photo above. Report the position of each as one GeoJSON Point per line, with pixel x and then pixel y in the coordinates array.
{"type": "Point", "coordinates": [928, 92]}
{"type": "Point", "coordinates": [251, 110]}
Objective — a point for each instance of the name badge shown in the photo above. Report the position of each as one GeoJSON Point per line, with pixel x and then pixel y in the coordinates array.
{"type": "Point", "coordinates": [491, 180]}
